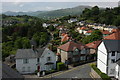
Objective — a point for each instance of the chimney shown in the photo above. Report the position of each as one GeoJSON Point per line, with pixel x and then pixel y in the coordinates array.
{"type": "Point", "coordinates": [33, 47]}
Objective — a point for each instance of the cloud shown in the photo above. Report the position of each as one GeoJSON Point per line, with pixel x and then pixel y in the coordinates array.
{"type": "Point", "coordinates": [21, 5]}
{"type": "Point", "coordinates": [60, 0]}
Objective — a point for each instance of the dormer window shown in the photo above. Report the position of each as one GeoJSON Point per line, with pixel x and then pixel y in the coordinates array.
{"type": "Point", "coordinates": [113, 53]}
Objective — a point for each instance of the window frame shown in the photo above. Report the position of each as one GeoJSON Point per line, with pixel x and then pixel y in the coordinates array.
{"type": "Point", "coordinates": [113, 53]}
{"type": "Point", "coordinates": [25, 61]}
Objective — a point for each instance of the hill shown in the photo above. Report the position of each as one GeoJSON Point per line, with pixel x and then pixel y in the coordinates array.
{"type": "Point", "coordinates": [52, 14]}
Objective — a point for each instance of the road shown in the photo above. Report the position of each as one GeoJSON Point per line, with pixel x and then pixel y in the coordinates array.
{"type": "Point", "coordinates": [82, 71]}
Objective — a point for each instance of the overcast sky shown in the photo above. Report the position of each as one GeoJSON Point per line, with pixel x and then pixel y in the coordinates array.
{"type": "Point", "coordinates": [47, 5]}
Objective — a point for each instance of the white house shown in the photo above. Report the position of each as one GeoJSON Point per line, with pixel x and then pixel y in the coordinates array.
{"type": "Point", "coordinates": [108, 54]}
{"type": "Point", "coordinates": [117, 68]}
{"type": "Point", "coordinates": [72, 20]}
{"type": "Point", "coordinates": [30, 60]}
{"type": "Point", "coordinates": [45, 25]}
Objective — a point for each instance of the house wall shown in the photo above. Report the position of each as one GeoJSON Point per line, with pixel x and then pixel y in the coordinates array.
{"type": "Point", "coordinates": [43, 60]}
{"type": "Point", "coordinates": [64, 56]}
{"type": "Point", "coordinates": [117, 72]}
{"type": "Point", "coordinates": [92, 51]}
{"type": "Point", "coordinates": [29, 67]}
{"type": "Point", "coordinates": [102, 58]}
{"type": "Point", "coordinates": [111, 65]}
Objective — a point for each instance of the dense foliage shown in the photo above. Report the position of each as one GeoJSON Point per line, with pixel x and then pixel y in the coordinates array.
{"type": "Point", "coordinates": [109, 16]}
{"type": "Point", "coordinates": [19, 35]}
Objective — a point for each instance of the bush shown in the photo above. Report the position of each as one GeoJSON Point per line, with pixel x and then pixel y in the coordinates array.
{"type": "Point", "coordinates": [102, 75]}
{"type": "Point", "coordinates": [49, 72]}
{"type": "Point", "coordinates": [61, 66]}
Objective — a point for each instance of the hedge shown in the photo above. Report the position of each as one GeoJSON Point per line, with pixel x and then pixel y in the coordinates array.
{"type": "Point", "coordinates": [102, 75]}
{"type": "Point", "coordinates": [61, 66]}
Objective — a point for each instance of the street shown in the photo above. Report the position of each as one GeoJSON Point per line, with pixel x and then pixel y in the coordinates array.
{"type": "Point", "coordinates": [82, 71]}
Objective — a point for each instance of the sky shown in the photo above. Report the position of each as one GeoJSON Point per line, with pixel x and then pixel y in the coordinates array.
{"type": "Point", "coordinates": [47, 5]}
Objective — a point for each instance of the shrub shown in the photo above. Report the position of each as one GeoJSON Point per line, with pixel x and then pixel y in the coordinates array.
{"type": "Point", "coordinates": [102, 75]}
{"type": "Point", "coordinates": [61, 66]}
{"type": "Point", "coordinates": [49, 72]}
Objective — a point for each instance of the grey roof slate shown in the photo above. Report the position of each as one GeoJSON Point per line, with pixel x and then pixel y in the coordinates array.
{"type": "Point", "coordinates": [29, 53]}
{"type": "Point", "coordinates": [8, 72]}
{"type": "Point", "coordinates": [112, 45]}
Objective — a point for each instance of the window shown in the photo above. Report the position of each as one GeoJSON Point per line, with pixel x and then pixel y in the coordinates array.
{"type": "Point", "coordinates": [48, 58]}
{"type": "Point", "coordinates": [82, 58]}
{"type": "Point", "coordinates": [113, 53]}
{"type": "Point", "coordinates": [112, 60]}
{"type": "Point", "coordinates": [38, 60]}
{"type": "Point", "coordinates": [25, 61]}
{"type": "Point", "coordinates": [28, 69]}
{"type": "Point", "coordinates": [112, 71]}
{"type": "Point", "coordinates": [23, 69]}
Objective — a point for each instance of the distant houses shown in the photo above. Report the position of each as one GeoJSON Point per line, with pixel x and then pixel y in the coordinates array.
{"type": "Point", "coordinates": [108, 55]}
{"type": "Point", "coordinates": [72, 20]}
{"type": "Point", "coordinates": [31, 60]}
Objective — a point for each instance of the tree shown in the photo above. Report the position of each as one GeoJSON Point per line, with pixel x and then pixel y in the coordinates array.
{"type": "Point", "coordinates": [95, 35]}
{"type": "Point", "coordinates": [95, 10]}
{"type": "Point", "coordinates": [116, 21]}
{"type": "Point", "coordinates": [22, 43]}
{"type": "Point", "coordinates": [51, 28]}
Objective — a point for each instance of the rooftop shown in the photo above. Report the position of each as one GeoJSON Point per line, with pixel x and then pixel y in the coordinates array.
{"type": "Point", "coordinates": [94, 44]}
{"type": "Point", "coordinates": [71, 45]}
{"type": "Point", "coordinates": [113, 36]}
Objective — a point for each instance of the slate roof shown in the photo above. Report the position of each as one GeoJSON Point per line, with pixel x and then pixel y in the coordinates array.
{"type": "Point", "coordinates": [112, 45]}
{"type": "Point", "coordinates": [8, 73]}
{"type": "Point", "coordinates": [29, 53]}
{"type": "Point", "coordinates": [71, 45]}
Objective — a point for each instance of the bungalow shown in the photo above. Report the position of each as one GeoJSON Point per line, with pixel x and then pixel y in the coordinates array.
{"type": "Point", "coordinates": [110, 28]}
{"type": "Point", "coordinates": [72, 20]}
{"type": "Point", "coordinates": [82, 30]}
{"type": "Point", "coordinates": [88, 32]}
{"type": "Point", "coordinates": [72, 52]}
{"type": "Point", "coordinates": [108, 55]}
{"type": "Point", "coordinates": [30, 60]}
{"type": "Point", "coordinates": [45, 25]}
{"type": "Point", "coordinates": [81, 23]}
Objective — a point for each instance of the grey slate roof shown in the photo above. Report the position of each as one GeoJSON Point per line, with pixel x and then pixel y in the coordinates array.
{"type": "Point", "coordinates": [29, 53]}
{"type": "Point", "coordinates": [112, 45]}
{"type": "Point", "coordinates": [8, 72]}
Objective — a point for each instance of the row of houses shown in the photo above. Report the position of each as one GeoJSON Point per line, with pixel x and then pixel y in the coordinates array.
{"type": "Point", "coordinates": [86, 31]}
{"type": "Point", "coordinates": [108, 55]}
{"type": "Point", "coordinates": [43, 59]}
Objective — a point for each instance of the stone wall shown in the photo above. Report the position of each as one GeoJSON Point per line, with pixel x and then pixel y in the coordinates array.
{"type": "Point", "coordinates": [95, 75]}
